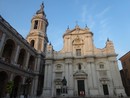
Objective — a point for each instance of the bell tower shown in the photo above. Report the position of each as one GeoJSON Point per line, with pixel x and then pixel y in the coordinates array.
{"type": "Point", "coordinates": [37, 36]}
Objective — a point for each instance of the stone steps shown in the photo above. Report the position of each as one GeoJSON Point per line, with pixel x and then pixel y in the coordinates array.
{"type": "Point", "coordinates": [93, 97]}
{"type": "Point", "coordinates": [84, 97]}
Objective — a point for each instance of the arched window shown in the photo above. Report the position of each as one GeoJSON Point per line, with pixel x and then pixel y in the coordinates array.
{"type": "Point", "coordinates": [32, 43]}
{"type": "Point", "coordinates": [36, 24]}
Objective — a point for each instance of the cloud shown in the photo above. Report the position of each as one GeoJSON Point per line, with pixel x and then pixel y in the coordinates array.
{"type": "Point", "coordinates": [91, 21]}
{"type": "Point", "coordinates": [103, 21]}
{"type": "Point", "coordinates": [84, 14]}
{"type": "Point", "coordinates": [87, 17]}
{"type": "Point", "coordinates": [103, 12]}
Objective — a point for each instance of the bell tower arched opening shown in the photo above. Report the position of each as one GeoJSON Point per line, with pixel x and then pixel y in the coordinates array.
{"type": "Point", "coordinates": [35, 24]}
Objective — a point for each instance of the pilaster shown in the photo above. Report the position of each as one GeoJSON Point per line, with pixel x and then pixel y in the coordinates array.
{"type": "Point", "coordinates": [16, 54]}
{"type": "Point", "coordinates": [94, 75]}
{"type": "Point", "coordinates": [69, 76]}
{"type": "Point", "coordinates": [37, 63]}
{"type": "Point", "coordinates": [34, 86]}
{"type": "Point", "coordinates": [2, 43]}
{"type": "Point", "coordinates": [90, 80]}
{"type": "Point", "coordinates": [27, 60]}
{"type": "Point", "coordinates": [47, 91]}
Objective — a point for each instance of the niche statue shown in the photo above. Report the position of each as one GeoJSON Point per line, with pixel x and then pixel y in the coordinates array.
{"type": "Point", "coordinates": [64, 82]}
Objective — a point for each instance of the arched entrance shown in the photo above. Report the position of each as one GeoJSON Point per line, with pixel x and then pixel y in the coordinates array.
{"type": "Point", "coordinates": [16, 87]}
{"type": "Point", "coordinates": [8, 50]}
{"type": "Point", "coordinates": [3, 83]}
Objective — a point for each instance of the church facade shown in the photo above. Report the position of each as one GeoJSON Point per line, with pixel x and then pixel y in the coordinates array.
{"type": "Point", "coordinates": [35, 68]}
{"type": "Point", "coordinates": [89, 71]}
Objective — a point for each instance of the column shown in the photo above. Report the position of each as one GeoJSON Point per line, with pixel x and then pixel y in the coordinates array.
{"type": "Point", "coordinates": [47, 81]}
{"type": "Point", "coordinates": [49, 76]}
{"type": "Point", "coordinates": [90, 81]}
{"type": "Point", "coordinates": [70, 76]}
{"type": "Point", "coordinates": [53, 83]}
{"type": "Point", "coordinates": [11, 77]}
{"type": "Point", "coordinates": [66, 73]}
{"type": "Point", "coordinates": [37, 63]}
{"type": "Point", "coordinates": [111, 85]}
{"type": "Point", "coordinates": [113, 74]}
{"type": "Point", "coordinates": [2, 43]}
{"type": "Point", "coordinates": [116, 79]}
{"type": "Point", "coordinates": [118, 74]}
{"type": "Point", "coordinates": [37, 43]}
{"type": "Point", "coordinates": [94, 75]}
{"type": "Point", "coordinates": [75, 88]}
{"type": "Point", "coordinates": [43, 45]}
{"type": "Point", "coordinates": [34, 86]}
{"type": "Point", "coordinates": [16, 54]}
{"type": "Point", "coordinates": [27, 60]}
{"type": "Point", "coordinates": [70, 80]}
{"type": "Point", "coordinates": [86, 87]}
{"type": "Point", "coordinates": [45, 76]}
{"type": "Point", "coordinates": [23, 80]}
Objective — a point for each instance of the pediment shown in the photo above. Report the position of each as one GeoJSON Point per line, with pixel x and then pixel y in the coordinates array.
{"type": "Point", "coordinates": [76, 31]}
{"type": "Point", "coordinates": [80, 73]}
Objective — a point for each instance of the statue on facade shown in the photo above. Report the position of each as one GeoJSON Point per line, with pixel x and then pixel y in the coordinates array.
{"type": "Point", "coordinates": [64, 82]}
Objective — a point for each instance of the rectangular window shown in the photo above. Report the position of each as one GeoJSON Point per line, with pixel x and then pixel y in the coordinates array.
{"type": "Point", "coordinates": [101, 66]}
{"type": "Point", "coordinates": [36, 24]}
{"type": "Point", "coordinates": [78, 52]}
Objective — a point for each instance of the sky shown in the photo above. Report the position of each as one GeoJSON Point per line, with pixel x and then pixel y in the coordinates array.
{"type": "Point", "coordinates": [105, 18]}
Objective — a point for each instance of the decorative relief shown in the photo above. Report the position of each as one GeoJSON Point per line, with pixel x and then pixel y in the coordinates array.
{"type": "Point", "coordinates": [77, 41]}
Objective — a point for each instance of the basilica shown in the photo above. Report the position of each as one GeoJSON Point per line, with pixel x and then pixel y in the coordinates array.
{"type": "Point", "coordinates": [32, 67]}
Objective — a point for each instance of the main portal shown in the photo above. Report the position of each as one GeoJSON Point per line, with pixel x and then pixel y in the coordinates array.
{"type": "Point", "coordinates": [81, 87]}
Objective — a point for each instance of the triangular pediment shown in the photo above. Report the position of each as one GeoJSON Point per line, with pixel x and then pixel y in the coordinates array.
{"type": "Point", "coordinates": [77, 31]}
